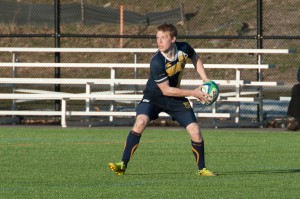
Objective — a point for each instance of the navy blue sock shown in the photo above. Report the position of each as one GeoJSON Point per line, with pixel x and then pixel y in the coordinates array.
{"type": "Point", "coordinates": [198, 151]}
{"type": "Point", "coordinates": [131, 144]}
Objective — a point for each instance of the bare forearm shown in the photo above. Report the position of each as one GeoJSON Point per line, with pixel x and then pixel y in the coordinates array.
{"type": "Point", "coordinates": [200, 68]}
{"type": "Point", "coordinates": [177, 92]}
{"type": "Point", "coordinates": [202, 73]}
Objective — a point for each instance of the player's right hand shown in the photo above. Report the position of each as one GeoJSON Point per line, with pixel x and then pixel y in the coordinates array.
{"type": "Point", "coordinates": [200, 95]}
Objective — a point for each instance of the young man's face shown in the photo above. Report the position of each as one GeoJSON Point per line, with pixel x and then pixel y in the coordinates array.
{"type": "Point", "coordinates": [164, 41]}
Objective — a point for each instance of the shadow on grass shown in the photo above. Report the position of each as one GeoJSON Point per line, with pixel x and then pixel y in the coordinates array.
{"type": "Point", "coordinates": [261, 172]}
{"type": "Point", "coordinates": [223, 173]}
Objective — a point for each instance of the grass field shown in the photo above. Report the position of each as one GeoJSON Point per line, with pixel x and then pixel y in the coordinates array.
{"type": "Point", "coordinates": [72, 163]}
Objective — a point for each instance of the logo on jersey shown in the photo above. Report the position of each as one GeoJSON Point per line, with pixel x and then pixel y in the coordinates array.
{"type": "Point", "coordinates": [146, 100]}
{"type": "Point", "coordinates": [186, 105]}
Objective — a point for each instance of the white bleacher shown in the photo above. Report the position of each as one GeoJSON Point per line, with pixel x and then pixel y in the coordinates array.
{"type": "Point", "coordinates": [20, 95]}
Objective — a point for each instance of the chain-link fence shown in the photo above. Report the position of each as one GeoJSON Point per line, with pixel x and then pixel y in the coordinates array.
{"type": "Point", "coordinates": [204, 24]}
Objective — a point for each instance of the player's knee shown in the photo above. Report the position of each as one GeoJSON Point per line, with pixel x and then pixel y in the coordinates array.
{"type": "Point", "coordinates": [193, 128]}
{"type": "Point", "coordinates": [194, 132]}
{"type": "Point", "coordinates": [141, 123]}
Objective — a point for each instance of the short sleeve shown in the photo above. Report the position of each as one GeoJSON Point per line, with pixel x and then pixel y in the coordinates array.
{"type": "Point", "coordinates": [190, 51]}
{"type": "Point", "coordinates": [157, 70]}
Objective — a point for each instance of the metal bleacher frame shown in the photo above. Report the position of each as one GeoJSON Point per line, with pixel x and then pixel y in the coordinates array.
{"type": "Point", "coordinates": [20, 95]}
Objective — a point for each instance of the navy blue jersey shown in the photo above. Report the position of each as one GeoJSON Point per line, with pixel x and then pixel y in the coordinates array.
{"type": "Point", "coordinates": [162, 69]}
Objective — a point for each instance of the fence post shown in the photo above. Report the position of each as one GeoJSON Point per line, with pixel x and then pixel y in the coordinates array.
{"type": "Point", "coordinates": [112, 90]}
{"type": "Point", "coordinates": [57, 45]}
{"type": "Point", "coordinates": [121, 25]}
{"type": "Point", "coordinates": [82, 12]}
{"type": "Point", "coordinates": [259, 38]}
{"type": "Point", "coordinates": [14, 74]}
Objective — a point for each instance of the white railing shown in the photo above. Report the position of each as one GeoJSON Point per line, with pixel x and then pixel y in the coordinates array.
{"type": "Point", "coordinates": [19, 95]}
{"type": "Point", "coordinates": [145, 50]}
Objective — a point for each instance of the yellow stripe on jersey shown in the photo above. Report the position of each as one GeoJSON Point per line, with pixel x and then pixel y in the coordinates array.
{"type": "Point", "coordinates": [182, 57]}
{"type": "Point", "coordinates": [174, 69]}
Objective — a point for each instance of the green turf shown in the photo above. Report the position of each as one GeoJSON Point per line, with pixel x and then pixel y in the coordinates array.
{"type": "Point", "coordinates": [72, 163]}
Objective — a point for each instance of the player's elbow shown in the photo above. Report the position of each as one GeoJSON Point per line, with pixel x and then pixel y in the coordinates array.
{"type": "Point", "coordinates": [166, 92]}
{"type": "Point", "coordinates": [166, 89]}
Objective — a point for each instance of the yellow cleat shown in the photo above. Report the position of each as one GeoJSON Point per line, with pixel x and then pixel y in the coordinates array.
{"type": "Point", "coordinates": [205, 172]}
{"type": "Point", "coordinates": [119, 168]}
